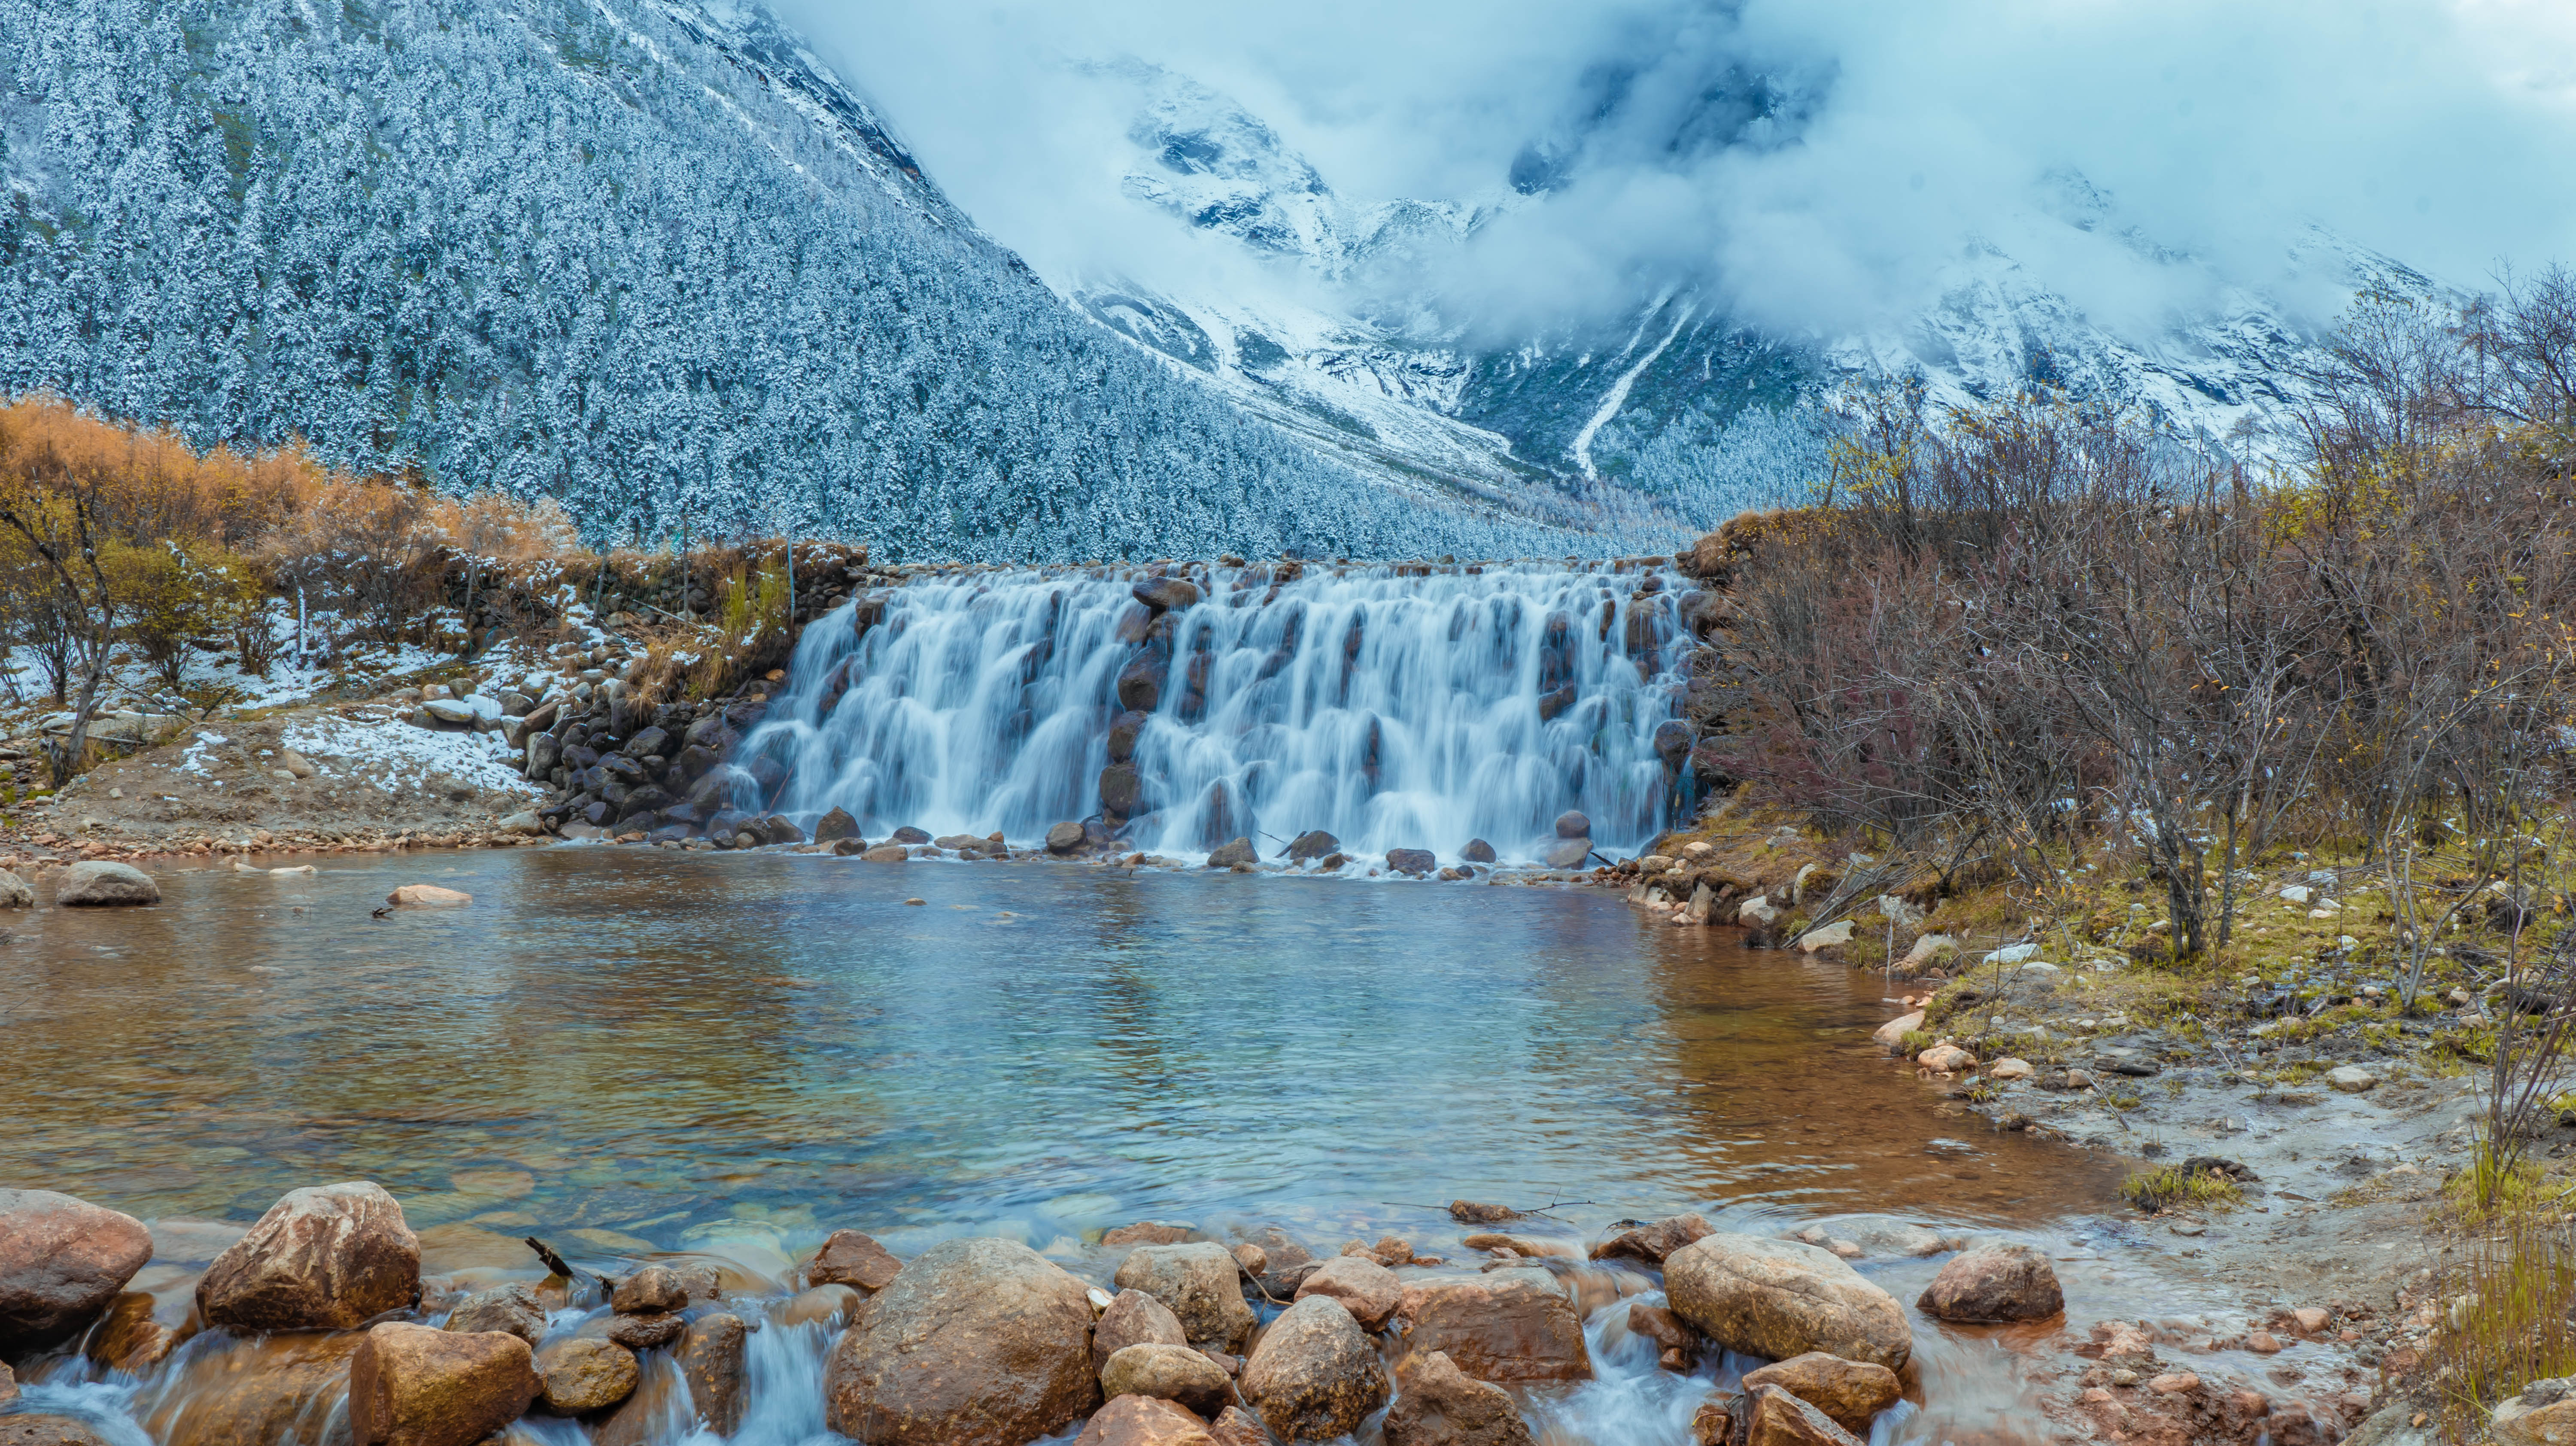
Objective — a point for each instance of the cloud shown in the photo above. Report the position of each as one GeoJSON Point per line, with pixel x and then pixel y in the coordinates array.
{"type": "Point", "coordinates": [1825, 163]}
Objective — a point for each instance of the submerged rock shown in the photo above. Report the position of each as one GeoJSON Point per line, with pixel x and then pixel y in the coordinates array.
{"type": "Point", "coordinates": [1314, 1375]}
{"type": "Point", "coordinates": [428, 894]}
{"type": "Point", "coordinates": [1232, 852]}
{"type": "Point", "coordinates": [1312, 844]}
{"type": "Point", "coordinates": [1994, 1283]}
{"type": "Point", "coordinates": [323, 1258]}
{"type": "Point", "coordinates": [1200, 1282]}
{"type": "Point", "coordinates": [975, 1343]}
{"type": "Point", "coordinates": [1779, 1298]}
{"type": "Point", "coordinates": [1649, 1244]}
{"type": "Point", "coordinates": [1411, 861]}
{"type": "Point", "coordinates": [62, 1262]}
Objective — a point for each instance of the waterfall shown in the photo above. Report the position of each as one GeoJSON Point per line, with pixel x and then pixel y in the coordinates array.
{"type": "Point", "coordinates": [1394, 707]}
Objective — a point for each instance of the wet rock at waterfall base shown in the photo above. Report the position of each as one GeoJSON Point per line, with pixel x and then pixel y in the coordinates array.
{"type": "Point", "coordinates": [1568, 853]}
{"type": "Point", "coordinates": [1439, 1405]}
{"type": "Point", "coordinates": [1992, 1284]}
{"type": "Point", "coordinates": [908, 835]}
{"type": "Point", "coordinates": [650, 1291]}
{"type": "Point", "coordinates": [1169, 1373]}
{"type": "Point", "coordinates": [1144, 1421]}
{"type": "Point", "coordinates": [1850, 1392]}
{"type": "Point", "coordinates": [885, 854]}
{"type": "Point", "coordinates": [1512, 1327]}
{"type": "Point", "coordinates": [1368, 1290]}
{"type": "Point", "coordinates": [976, 1343]}
{"type": "Point", "coordinates": [1064, 838]}
{"type": "Point", "coordinates": [513, 1308]}
{"type": "Point", "coordinates": [1234, 851]}
{"type": "Point", "coordinates": [1781, 1298]}
{"type": "Point", "coordinates": [852, 1258]}
{"type": "Point", "coordinates": [1199, 1282]}
{"type": "Point", "coordinates": [1312, 844]}
{"type": "Point", "coordinates": [30, 1429]}
{"type": "Point", "coordinates": [411, 1385]}
{"type": "Point", "coordinates": [1677, 1346]}
{"type": "Point", "coordinates": [1166, 594]}
{"type": "Point", "coordinates": [62, 1262]}
{"type": "Point", "coordinates": [711, 1357]}
{"type": "Point", "coordinates": [1123, 734]}
{"type": "Point", "coordinates": [323, 1258]}
{"type": "Point", "coordinates": [1315, 1374]}
{"type": "Point", "coordinates": [1140, 684]}
{"type": "Point", "coordinates": [1121, 787]}
{"type": "Point", "coordinates": [1416, 862]}
{"type": "Point", "coordinates": [1477, 851]}
{"type": "Point", "coordinates": [639, 1332]}
{"type": "Point", "coordinates": [1571, 824]}
{"type": "Point", "coordinates": [835, 826]}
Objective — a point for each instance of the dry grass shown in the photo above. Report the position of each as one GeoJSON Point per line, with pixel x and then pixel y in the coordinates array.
{"type": "Point", "coordinates": [2507, 1290]}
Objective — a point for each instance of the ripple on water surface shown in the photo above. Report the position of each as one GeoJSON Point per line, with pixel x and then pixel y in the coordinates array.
{"type": "Point", "coordinates": [634, 1043]}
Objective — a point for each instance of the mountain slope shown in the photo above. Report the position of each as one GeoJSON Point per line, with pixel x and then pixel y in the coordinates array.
{"type": "Point", "coordinates": [646, 257]}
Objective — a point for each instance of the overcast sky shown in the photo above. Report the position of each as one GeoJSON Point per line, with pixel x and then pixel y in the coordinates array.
{"type": "Point", "coordinates": [2439, 132]}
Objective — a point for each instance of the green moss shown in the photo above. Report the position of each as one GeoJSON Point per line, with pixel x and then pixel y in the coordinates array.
{"type": "Point", "coordinates": [2155, 1190]}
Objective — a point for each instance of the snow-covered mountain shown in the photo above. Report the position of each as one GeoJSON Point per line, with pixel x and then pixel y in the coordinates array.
{"type": "Point", "coordinates": [1677, 401]}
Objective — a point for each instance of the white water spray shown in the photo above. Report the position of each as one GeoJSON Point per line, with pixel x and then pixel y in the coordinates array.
{"type": "Point", "coordinates": [1392, 709]}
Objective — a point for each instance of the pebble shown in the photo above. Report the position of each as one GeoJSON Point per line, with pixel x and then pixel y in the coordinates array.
{"type": "Point", "coordinates": [2352, 1079]}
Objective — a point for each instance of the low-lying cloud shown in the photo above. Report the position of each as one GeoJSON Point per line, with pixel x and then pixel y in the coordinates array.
{"type": "Point", "coordinates": [1822, 162]}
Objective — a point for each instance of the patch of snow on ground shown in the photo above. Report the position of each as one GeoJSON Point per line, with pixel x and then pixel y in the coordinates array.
{"type": "Point", "coordinates": [194, 759]}
{"type": "Point", "coordinates": [392, 753]}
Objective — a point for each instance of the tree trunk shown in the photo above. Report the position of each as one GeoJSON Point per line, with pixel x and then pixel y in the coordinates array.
{"type": "Point", "coordinates": [67, 762]}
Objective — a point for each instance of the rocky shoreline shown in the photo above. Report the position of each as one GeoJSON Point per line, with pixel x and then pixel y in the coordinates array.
{"type": "Point", "coordinates": [1153, 1334]}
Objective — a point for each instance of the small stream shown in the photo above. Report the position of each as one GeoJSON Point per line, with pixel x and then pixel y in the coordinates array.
{"type": "Point", "coordinates": [643, 1054]}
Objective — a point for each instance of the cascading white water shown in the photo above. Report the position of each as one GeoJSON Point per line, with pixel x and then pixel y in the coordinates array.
{"type": "Point", "coordinates": [1393, 708]}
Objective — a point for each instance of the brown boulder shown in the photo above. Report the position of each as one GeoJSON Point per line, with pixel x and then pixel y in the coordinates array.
{"type": "Point", "coordinates": [1144, 1421]}
{"type": "Point", "coordinates": [62, 1262]}
{"type": "Point", "coordinates": [323, 1258]}
{"type": "Point", "coordinates": [1779, 1298]}
{"type": "Point", "coordinates": [1134, 1319]}
{"type": "Point", "coordinates": [1439, 1405]}
{"type": "Point", "coordinates": [975, 1343]}
{"type": "Point", "coordinates": [1781, 1419]}
{"type": "Point", "coordinates": [1849, 1391]}
{"type": "Point", "coordinates": [34, 1430]}
{"type": "Point", "coordinates": [712, 1362]}
{"type": "Point", "coordinates": [1200, 1282]}
{"type": "Point", "coordinates": [1994, 1283]}
{"type": "Point", "coordinates": [650, 1291]}
{"type": "Point", "coordinates": [1168, 1373]}
{"type": "Point", "coordinates": [1507, 1326]}
{"type": "Point", "coordinates": [512, 1308]}
{"type": "Point", "coordinates": [132, 1338]}
{"type": "Point", "coordinates": [1676, 1344]}
{"type": "Point", "coordinates": [413, 1385]}
{"type": "Point", "coordinates": [642, 1332]}
{"type": "Point", "coordinates": [1713, 1424]}
{"type": "Point", "coordinates": [851, 1258]}
{"type": "Point", "coordinates": [1235, 1426]}
{"type": "Point", "coordinates": [1649, 1244]}
{"type": "Point", "coordinates": [1367, 1289]}
{"type": "Point", "coordinates": [581, 1374]}
{"type": "Point", "coordinates": [837, 1304]}
{"type": "Point", "coordinates": [1314, 1375]}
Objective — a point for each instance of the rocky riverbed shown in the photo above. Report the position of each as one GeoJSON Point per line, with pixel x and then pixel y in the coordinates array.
{"type": "Point", "coordinates": [1496, 1325]}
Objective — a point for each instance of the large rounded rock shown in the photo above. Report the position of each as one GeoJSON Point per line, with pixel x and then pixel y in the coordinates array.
{"type": "Point", "coordinates": [1368, 1290]}
{"type": "Point", "coordinates": [974, 1343]}
{"type": "Point", "coordinates": [1064, 838]}
{"type": "Point", "coordinates": [1571, 824]}
{"type": "Point", "coordinates": [1170, 1373]}
{"type": "Point", "coordinates": [852, 1258]}
{"type": "Point", "coordinates": [1200, 1282]}
{"type": "Point", "coordinates": [1134, 1319]}
{"type": "Point", "coordinates": [30, 1429]}
{"type": "Point", "coordinates": [414, 1385]}
{"type": "Point", "coordinates": [256, 1391]}
{"type": "Point", "coordinates": [1411, 861]}
{"type": "Point", "coordinates": [835, 826]}
{"type": "Point", "coordinates": [99, 884]}
{"type": "Point", "coordinates": [1848, 1391]}
{"type": "Point", "coordinates": [1567, 853]}
{"type": "Point", "coordinates": [1994, 1283]}
{"type": "Point", "coordinates": [1144, 1421]}
{"type": "Point", "coordinates": [1313, 844]}
{"type": "Point", "coordinates": [322, 1258]}
{"type": "Point", "coordinates": [14, 893]}
{"type": "Point", "coordinates": [1778, 1298]}
{"type": "Point", "coordinates": [581, 1374]}
{"type": "Point", "coordinates": [1440, 1405]}
{"type": "Point", "coordinates": [62, 1262]}
{"type": "Point", "coordinates": [1512, 1327]}
{"type": "Point", "coordinates": [650, 1291]}
{"type": "Point", "coordinates": [713, 1360]}
{"type": "Point", "coordinates": [1234, 851]}
{"type": "Point", "coordinates": [1315, 1375]}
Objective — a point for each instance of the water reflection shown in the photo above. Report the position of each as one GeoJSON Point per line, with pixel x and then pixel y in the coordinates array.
{"type": "Point", "coordinates": [642, 1043]}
